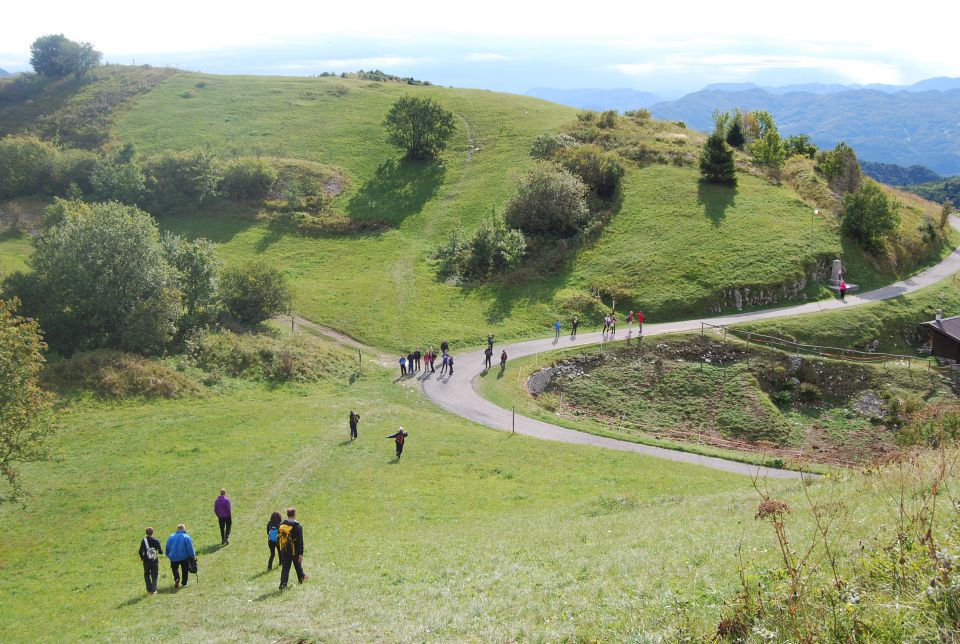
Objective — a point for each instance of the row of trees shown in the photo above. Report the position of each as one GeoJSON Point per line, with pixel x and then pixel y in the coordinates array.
{"type": "Point", "coordinates": [165, 182]}
{"type": "Point", "coordinates": [104, 277]}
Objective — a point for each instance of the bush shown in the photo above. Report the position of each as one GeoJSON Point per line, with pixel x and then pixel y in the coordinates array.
{"type": "Point", "coordinates": [248, 180]}
{"type": "Point", "coordinates": [27, 166]}
{"type": "Point", "coordinates": [608, 119]}
{"type": "Point", "coordinates": [601, 171]}
{"type": "Point", "coordinates": [255, 292]}
{"type": "Point", "coordinates": [180, 180]}
{"type": "Point", "coordinates": [546, 145]}
{"type": "Point", "coordinates": [114, 374]}
{"type": "Point", "coordinates": [493, 248]}
{"type": "Point", "coordinates": [198, 276]}
{"type": "Point", "coordinates": [808, 392]}
{"type": "Point", "coordinates": [112, 180]}
{"type": "Point", "coordinates": [935, 427]}
{"type": "Point", "coordinates": [869, 216]}
{"type": "Point", "coordinates": [549, 201]}
{"type": "Point", "coordinates": [257, 355]}
{"type": "Point", "coordinates": [841, 168]}
{"type": "Point", "coordinates": [73, 168]}
{"type": "Point", "coordinates": [101, 280]}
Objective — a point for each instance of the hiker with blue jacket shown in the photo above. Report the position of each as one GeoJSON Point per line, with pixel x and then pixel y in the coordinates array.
{"type": "Point", "coordinates": [150, 552]}
{"type": "Point", "coordinates": [273, 532]}
{"type": "Point", "coordinates": [180, 551]}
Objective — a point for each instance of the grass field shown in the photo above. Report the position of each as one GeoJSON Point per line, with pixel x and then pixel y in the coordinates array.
{"type": "Point", "coordinates": [14, 250]}
{"type": "Point", "coordinates": [673, 244]}
{"type": "Point", "coordinates": [473, 535]}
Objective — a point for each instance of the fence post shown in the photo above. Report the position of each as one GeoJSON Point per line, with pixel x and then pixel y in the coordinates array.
{"type": "Point", "coordinates": [359, 362]}
{"type": "Point", "coordinates": [513, 421]}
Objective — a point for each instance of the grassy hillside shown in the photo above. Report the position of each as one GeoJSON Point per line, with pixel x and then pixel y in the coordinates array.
{"type": "Point", "coordinates": [672, 247]}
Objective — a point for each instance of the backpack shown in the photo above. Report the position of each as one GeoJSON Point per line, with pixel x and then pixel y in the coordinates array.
{"type": "Point", "coordinates": [272, 534]}
{"type": "Point", "coordinates": [148, 552]}
{"type": "Point", "coordinates": [285, 538]}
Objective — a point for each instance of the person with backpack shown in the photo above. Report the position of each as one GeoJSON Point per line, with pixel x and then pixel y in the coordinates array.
{"type": "Point", "coordinates": [180, 552]}
{"type": "Point", "coordinates": [503, 360]}
{"type": "Point", "coordinates": [488, 356]}
{"type": "Point", "coordinates": [399, 437]}
{"type": "Point", "coordinates": [150, 552]}
{"type": "Point", "coordinates": [354, 419]}
{"type": "Point", "coordinates": [290, 545]}
{"type": "Point", "coordinates": [221, 507]}
{"type": "Point", "coordinates": [273, 534]}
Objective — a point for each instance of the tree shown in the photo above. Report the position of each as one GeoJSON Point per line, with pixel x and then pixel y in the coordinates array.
{"type": "Point", "coordinates": [57, 56]}
{"type": "Point", "coordinates": [869, 215]}
{"type": "Point", "coordinates": [26, 166]}
{"type": "Point", "coordinates": [735, 134]}
{"type": "Point", "coordinates": [769, 151]}
{"type": "Point", "coordinates": [600, 170]}
{"type": "Point", "coordinates": [493, 248]}
{"type": "Point", "coordinates": [800, 144]}
{"type": "Point", "coordinates": [716, 161]}
{"type": "Point", "coordinates": [26, 411]}
{"type": "Point", "coordinates": [549, 201]}
{"type": "Point", "coordinates": [419, 126]}
{"type": "Point", "coordinates": [945, 213]}
{"type": "Point", "coordinates": [118, 179]}
{"type": "Point", "coordinates": [255, 292]}
{"type": "Point", "coordinates": [841, 168]}
{"type": "Point", "coordinates": [101, 280]}
{"type": "Point", "coordinates": [198, 277]}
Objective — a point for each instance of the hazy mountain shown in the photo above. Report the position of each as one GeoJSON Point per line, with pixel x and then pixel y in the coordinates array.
{"type": "Point", "coordinates": [4, 72]}
{"type": "Point", "coordinates": [622, 99]}
{"type": "Point", "coordinates": [897, 175]}
{"type": "Point", "coordinates": [905, 127]}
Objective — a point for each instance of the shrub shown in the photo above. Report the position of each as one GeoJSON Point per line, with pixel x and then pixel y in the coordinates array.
{"type": "Point", "coordinates": [869, 216]}
{"type": "Point", "coordinates": [113, 180]}
{"type": "Point", "coordinates": [800, 144]}
{"type": "Point", "coordinates": [73, 168]}
{"type": "Point", "coordinates": [642, 115]}
{"type": "Point", "coordinates": [493, 248]}
{"type": "Point", "coordinates": [808, 392]}
{"type": "Point", "coordinates": [841, 168]}
{"type": "Point", "coordinates": [546, 145]}
{"type": "Point", "coordinates": [26, 166]}
{"type": "Point", "coordinates": [255, 292]}
{"type": "Point", "coordinates": [608, 119]}
{"type": "Point", "coordinates": [549, 201]}
{"type": "Point", "coordinates": [601, 171]}
{"type": "Point", "coordinates": [180, 180]}
{"type": "Point", "coordinates": [101, 280]}
{"type": "Point", "coordinates": [198, 275]}
{"type": "Point", "coordinates": [258, 355]}
{"type": "Point", "coordinates": [934, 427]}
{"type": "Point", "coordinates": [248, 180]}
{"type": "Point", "coordinates": [114, 374]}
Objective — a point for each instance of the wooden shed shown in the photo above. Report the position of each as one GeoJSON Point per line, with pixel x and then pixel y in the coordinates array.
{"type": "Point", "coordinates": [945, 337]}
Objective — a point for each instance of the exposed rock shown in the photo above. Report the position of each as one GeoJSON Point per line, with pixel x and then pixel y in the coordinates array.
{"type": "Point", "coordinates": [539, 381]}
{"type": "Point", "coordinates": [869, 404]}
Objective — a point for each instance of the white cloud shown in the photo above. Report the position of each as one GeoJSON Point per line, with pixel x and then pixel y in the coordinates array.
{"type": "Point", "coordinates": [485, 56]}
{"type": "Point", "coordinates": [348, 64]}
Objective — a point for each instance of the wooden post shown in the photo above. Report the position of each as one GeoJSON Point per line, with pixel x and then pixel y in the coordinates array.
{"type": "Point", "coordinates": [293, 318]}
{"type": "Point", "coordinates": [513, 421]}
{"type": "Point", "coordinates": [359, 362]}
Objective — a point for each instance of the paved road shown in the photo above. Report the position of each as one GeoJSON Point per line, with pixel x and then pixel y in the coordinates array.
{"type": "Point", "coordinates": [457, 393]}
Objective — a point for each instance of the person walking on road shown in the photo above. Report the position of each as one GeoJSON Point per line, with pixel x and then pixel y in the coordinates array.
{"type": "Point", "coordinates": [180, 551]}
{"type": "Point", "coordinates": [398, 438]}
{"type": "Point", "coordinates": [221, 507]}
{"type": "Point", "coordinates": [290, 544]}
{"type": "Point", "coordinates": [640, 320]}
{"type": "Point", "coordinates": [411, 366]}
{"type": "Point", "coordinates": [444, 362]}
{"type": "Point", "coordinates": [354, 419]}
{"type": "Point", "coordinates": [450, 363]}
{"type": "Point", "coordinates": [613, 323]}
{"type": "Point", "coordinates": [150, 552]}
{"type": "Point", "coordinates": [488, 356]}
{"type": "Point", "coordinates": [556, 329]}
{"type": "Point", "coordinates": [630, 322]}
{"type": "Point", "coordinates": [573, 325]}
{"type": "Point", "coordinates": [503, 360]}
{"type": "Point", "coordinates": [273, 534]}
{"type": "Point", "coordinates": [843, 289]}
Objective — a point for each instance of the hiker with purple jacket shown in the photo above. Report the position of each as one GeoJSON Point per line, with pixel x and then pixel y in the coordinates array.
{"type": "Point", "coordinates": [221, 507]}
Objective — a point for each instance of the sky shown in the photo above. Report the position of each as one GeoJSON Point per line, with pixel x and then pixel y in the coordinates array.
{"type": "Point", "coordinates": [668, 48]}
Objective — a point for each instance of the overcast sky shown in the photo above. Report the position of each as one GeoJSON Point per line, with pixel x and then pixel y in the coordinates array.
{"type": "Point", "coordinates": [665, 47]}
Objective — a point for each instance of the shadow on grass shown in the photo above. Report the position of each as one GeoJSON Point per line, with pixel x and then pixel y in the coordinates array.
{"type": "Point", "coordinates": [398, 189]}
{"type": "Point", "coordinates": [265, 596]}
{"type": "Point", "coordinates": [715, 200]}
{"type": "Point", "coordinates": [133, 601]}
{"type": "Point", "coordinates": [210, 549]}
{"type": "Point", "coordinates": [345, 443]}
{"type": "Point", "coordinates": [260, 574]}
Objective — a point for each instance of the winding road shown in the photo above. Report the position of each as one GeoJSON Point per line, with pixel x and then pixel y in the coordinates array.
{"type": "Point", "coordinates": [457, 394]}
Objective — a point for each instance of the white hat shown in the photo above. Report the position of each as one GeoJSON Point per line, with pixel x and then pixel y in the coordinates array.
{"type": "Point", "coordinates": [401, 429]}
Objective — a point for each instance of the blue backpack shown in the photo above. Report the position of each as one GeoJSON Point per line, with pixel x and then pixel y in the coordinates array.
{"type": "Point", "coordinates": [273, 534]}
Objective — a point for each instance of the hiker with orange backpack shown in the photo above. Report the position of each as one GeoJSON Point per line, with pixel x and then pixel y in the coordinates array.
{"type": "Point", "coordinates": [399, 436]}
{"type": "Point", "coordinates": [290, 545]}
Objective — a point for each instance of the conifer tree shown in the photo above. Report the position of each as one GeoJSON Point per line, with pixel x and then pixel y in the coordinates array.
{"type": "Point", "coordinates": [735, 136]}
{"type": "Point", "coordinates": [716, 161]}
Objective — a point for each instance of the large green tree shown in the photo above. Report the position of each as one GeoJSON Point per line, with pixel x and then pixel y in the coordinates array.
{"type": "Point", "coordinates": [869, 215]}
{"type": "Point", "coordinates": [841, 168]}
{"type": "Point", "coordinates": [198, 278]}
{"type": "Point", "coordinates": [101, 279]}
{"type": "Point", "coordinates": [255, 292]}
{"type": "Point", "coordinates": [56, 56]}
{"type": "Point", "coordinates": [419, 126]}
{"type": "Point", "coordinates": [549, 201]}
{"type": "Point", "coordinates": [26, 411]}
{"type": "Point", "coordinates": [716, 161]}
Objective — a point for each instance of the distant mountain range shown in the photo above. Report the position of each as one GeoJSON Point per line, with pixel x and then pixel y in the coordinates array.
{"type": "Point", "coordinates": [622, 100]}
{"type": "Point", "coordinates": [4, 72]}
{"type": "Point", "coordinates": [897, 175]}
{"type": "Point", "coordinates": [906, 125]}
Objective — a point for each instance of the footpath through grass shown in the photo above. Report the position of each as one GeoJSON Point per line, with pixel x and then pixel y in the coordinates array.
{"type": "Point", "coordinates": [475, 534]}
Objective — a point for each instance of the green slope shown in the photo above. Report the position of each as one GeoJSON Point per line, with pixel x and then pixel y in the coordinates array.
{"type": "Point", "coordinates": [672, 247]}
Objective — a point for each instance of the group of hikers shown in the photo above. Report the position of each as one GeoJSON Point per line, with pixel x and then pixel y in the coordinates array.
{"type": "Point", "coordinates": [284, 540]}
{"type": "Point", "coordinates": [414, 361]}
{"type": "Point", "coordinates": [609, 324]}
{"type": "Point", "coordinates": [488, 355]}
